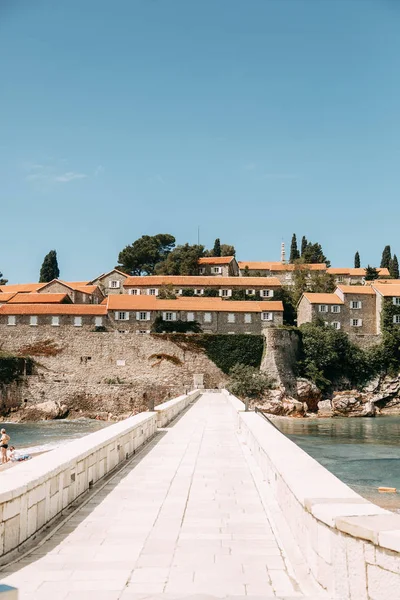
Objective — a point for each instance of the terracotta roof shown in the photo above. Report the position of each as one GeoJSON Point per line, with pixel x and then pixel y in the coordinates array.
{"type": "Point", "coordinates": [356, 289]}
{"type": "Point", "coordinates": [201, 281]}
{"type": "Point", "coordinates": [6, 297]}
{"type": "Point", "coordinates": [381, 281]}
{"type": "Point", "coordinates": [215, 260]}
{"type": "Point", "coordinates": [278, 267]}
{"type": "Point", "coordinates": [359, 272]}
{"type": "Point", "coordinates": [86, 289]}
{"type": "Point", "coordinates": [128, 302]}
{"type": "Point", "coordinates": [323, 298]}
{"type": "Point", "coordinates": [39, 298]}
{"type": "Point", "coordinates": [22, 287]}
{"type": "Point", "coordinates": [108, 273]}
{"type": "Point", "coordinates": [78, 286]}
{"type": "Point", "coordinates": [387, 290]}
{"type": "Point", "coordinates": [53, 309]}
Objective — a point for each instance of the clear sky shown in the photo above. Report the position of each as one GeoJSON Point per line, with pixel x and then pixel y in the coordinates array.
{"type": "Point", "coordinates": [251, 119]}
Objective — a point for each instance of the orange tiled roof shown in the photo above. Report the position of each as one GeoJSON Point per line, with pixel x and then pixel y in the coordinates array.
{"type": "Point", "coordinates": [53, 309]}
{"type": "Point", "coordinates": [387, 290]}
{"type": "Point", "coordinates": [215, 260]}
{"type": "Point", "coordinates": [356, 289]}
{"type": "Point", "coordinates": [78, 286]}
{"type": "Point", "coordinates": [323, 298]}
{"type": "Point", "coordinates": [38, 298]}
{"type": "Point", "coordinates": [22, 287]}
{"type": "Point", "coordinates": [359, 272]}
{"type": "Point", "coordinates": [279, 267]}
{"type": "Point", "coordinates": [381, 281]}
{"type": "Point", "coordinates": [201, 281]}
{"type": "Point", "coordinates": [108, 273]}
{"type": "Point", "coordinates": [6, 297]}
{"type": "Point", "coordinates": [128, 302]}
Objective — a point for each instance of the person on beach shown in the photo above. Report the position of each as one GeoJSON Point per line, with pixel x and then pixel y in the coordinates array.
{"type": "Point", "coordinates": [4, 445]}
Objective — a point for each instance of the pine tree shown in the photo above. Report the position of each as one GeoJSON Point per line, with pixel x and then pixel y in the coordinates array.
{"type": "Point", "coordinates": [217, 248]}
{"type": "Point", "coordinates": [304, 244]}
{"type": "Point", "coordinates": [371, 273]}
{"type": "Point", "coordinates": [2, 281]}
{"type": "Point", "coordinates": [386, 257]}
{"type": "Point", "coordinates": [357, 262]}
{"type": "Point", "coordinates": [294, 252]}
{"type": "Point", "coordinates": [394, 267]}
{"type": "Point", "coordinates": [49, 270]}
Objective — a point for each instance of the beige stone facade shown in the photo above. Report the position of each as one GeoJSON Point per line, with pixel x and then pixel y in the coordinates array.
{"type": "Point", "coordinates": [219, 266]}
{"type": "Point", "coordinates": [80, 293]}
{"type": "Point", "coordinates": [111, 282]}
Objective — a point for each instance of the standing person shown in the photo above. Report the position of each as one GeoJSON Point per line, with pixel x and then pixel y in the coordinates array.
{"type": "Point", "coordinates": [4, 445]}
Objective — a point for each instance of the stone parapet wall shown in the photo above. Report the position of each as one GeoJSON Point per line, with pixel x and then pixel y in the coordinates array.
{"type": "Point", "coordinates": [280, 357]}
{"type": "Point", "coordinates": [33, 495]}
{"type": "Point", "coordinates": [350, 546]}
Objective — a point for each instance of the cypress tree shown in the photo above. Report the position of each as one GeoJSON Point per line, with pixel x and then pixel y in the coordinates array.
{"type": "Point", "coordinates": [371, 273]}
{"type": "Point", "coordinates": [386, 257]}
{"type": "Point", "coordinates": [217, 248]}
{"type": "Point", "coordinates": [294, 252]}
{"type": "Point", "coordinates": [2, 281]}
{"type": "Point", "coordinates": [394, 267]}
{"type": "Point", "coordinates": [304, 244]}
{"type": "Point", "coordinates": [357, 262]}
{"type": "Point", "coordinates": [49, 270]}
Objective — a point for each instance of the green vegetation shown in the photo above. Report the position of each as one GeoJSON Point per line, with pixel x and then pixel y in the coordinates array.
{"type": "Point", "coordinates": [386, 257]}
{"type": "Point", "coordinates": [394, 267]}
{"type": "Point", "coordinates": [49, 269]}
{"type": "Point", "coordinates": [294, 252]}
{"type": "Point", "coordinates": [228, 350]}
{"type": "Point", "coordinates": [357, 262]}
{"type": "Point", "coordinates": [12, 368]}
{"type": "Point", "coordinates": [303, 246]}
{"type": "Point", "coordinates": [217, 247]}
{"type": "Point", "coordinates": [183, 260]}
{"type": "Point", "coordinates": [247, 382]}
{"type": "Point", "coordinates": [3, 281]}
{"type": "Point", "coordinates": [371, 273]}
{"type": "Point", "coordinates": [141, 257]}
{"type": "Point", "coordinates": [161, 326]}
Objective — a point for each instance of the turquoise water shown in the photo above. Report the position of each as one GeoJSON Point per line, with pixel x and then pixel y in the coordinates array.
{"type": "Point", "coordinates": [47, 435]}
{"type": "Point", "coordinates": [362, 452]}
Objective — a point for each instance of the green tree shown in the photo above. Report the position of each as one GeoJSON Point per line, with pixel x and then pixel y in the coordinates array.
{"type": "Point", "coordinates": [228, 250]}
{"type": "Point", "coordinates": [357, 262]}
{"type": "Point", "coordinates": [305, 280]}
{"type": "Point", "coordinates": [313, 254]}
{"type": "Point", "coordinates": [304, 244]}
{"type": "Point", "coordinates": [246, 271]}
{"type": "Point", "coordinates": [394, 267]}
{"type": "Point", "coordinates": [386, 257]}
{"type": "Point", "coordinates": [217, 248]}
{"type": "Point", "coordinates": [183, 260]}
{"type": "Point", "coordinates": [49, 269]}
{"type": "Point", "coordinates": [248, 383]}
{"type": "Point", "coordinates": [3, 281]}
{"type": "Point", "coordinates": [294, 252]}
{"type": "Point", "coordinates": [145, 253]}
{"type": "Point", "coordinates": [371, 273]}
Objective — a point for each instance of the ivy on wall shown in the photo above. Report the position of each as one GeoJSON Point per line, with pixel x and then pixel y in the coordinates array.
{"type": "Point", "coordinates": [13, 367]}
{"type": "Point", "coordinates": [389, 310]}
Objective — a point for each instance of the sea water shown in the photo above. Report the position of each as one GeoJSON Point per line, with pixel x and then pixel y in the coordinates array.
{"type": "Point", "coordinates": [48, 435]}
{"type": "Point", "coordinates": [363, 452]}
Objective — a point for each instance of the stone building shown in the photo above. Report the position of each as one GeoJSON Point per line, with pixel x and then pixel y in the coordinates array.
{"type": "Point", "coordinates": [88, 316]}
{"type": "Point", "coordinates": [260, 287]}
{"type": "Point", "coordinates": [325, 307]}
{"type": "Point", "coordinates": [80, 292]}
{"type": "Point", "coordinates": [138, 313]}
{"type": "Point", "coordinates": [391, 293]}
{"type": "Point", "coordinates": [35, 298]}
{"type": "Point", "coordinates": [111, 282]}
{"type": "Point", "coordinates": [354, 276]}
{"type": "Point", "coordinates": [282, 271]}
{"type": "Point", "coordinates": [222, 266]}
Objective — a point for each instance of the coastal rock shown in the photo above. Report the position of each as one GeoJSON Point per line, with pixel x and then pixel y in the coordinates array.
{"type": "Point", "coordinates": [309, 393]}
{"type": "Point", "coordinates": [325, 408]}
{"type": "Point", "coordinates": [286, 407]}
{"type": "Point", "coordinates": [353, 404]}
{"type": "Point", "coordinates": [44, 411]}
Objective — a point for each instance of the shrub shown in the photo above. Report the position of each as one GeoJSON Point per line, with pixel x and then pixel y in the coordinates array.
{"type": "Point", "coordinates": [228, 350]}
{"type": "Point", "coordinates": [248, 382]}
{"type": "Point", "coordinates": [161, 326]}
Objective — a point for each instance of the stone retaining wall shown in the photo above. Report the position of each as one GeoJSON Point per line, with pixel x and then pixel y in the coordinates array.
{"type": "Point", "coordinates": [34, 493]}
{"type": "Point", "coordinates": [350, 546]}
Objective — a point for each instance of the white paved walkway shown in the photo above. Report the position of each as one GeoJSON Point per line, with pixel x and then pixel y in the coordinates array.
{"type": "Point", "coordinates": [184, 518]}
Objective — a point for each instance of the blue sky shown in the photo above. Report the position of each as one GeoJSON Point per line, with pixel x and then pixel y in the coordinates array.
{"type": "Point", "coordinates": [251, 119]}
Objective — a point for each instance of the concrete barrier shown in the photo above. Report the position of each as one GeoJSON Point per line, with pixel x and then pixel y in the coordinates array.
{"type": "Point", "coordinates": [351, 546]}
{"type": "Point", "coordinates": [34, 494]}
{"type": "Point", "coordinates": [167, 411]}
{"type": "Point", "coordinates": [8, 593]}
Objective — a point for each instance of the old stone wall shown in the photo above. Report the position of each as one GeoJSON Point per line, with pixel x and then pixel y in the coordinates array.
{"type": "Point", "coordinates": [90, 373]}
{"type": "Point", "coordinates": [280, 356]}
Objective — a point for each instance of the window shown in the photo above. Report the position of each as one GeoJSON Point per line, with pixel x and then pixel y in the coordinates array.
{"type": "Point", "coordinates": [225, 293]}
{"type": "Point", "coordinates": [121, 315]}
{"type": "Point", "coordinates": [98, 321]}
{"type": "Point", "coordinates": [190, 316]}
{"type": "Point", "coordinates": [231, 318]}
{"type": "Point", "coordinates": [143, 316]}
{"type": "Point", "coordinates": [143, 331]}
{"type": "Point", "coordinates": [216, 270]}
{"type": "Point", "coordinates": [152, 292]}
{"type": "Point", "coordinates": [207, 317]}
{"type": "Point", "coordinates": [247, 318]}
{"type": "Point", "coordinates": [335, 308]}
{"type": "Point", "coordinates": [396, 301]}
{"type": "Point", "coordinates": [12, 320]}
{"type": "Point", "coordinates": [323, 308]}
{"type": "Point", "coordinates": [169, 316]}
{"type": "Point", "coordinates": [231, 333]}
{"type": "Point", "coordinates": [134, 292]}
{"type": "Point", "coordinates": [356, 322]}
{"type": "Point", "coordinates": [396, 319]}
{"type": "Point", "coordinates": [267, 293]}
{"type": "Point", "coordinates": [198, 292]}
{"type": "Point", "coordinates": [113, 284]}
{"type": "Point", "coordinates": [355, 304]}
{"type": "Point", "coordinates": [250, 292]}
{"type": "Point", "coordinates": [202, 270]}
{"type": "Point", "coordinates": [339, 279]}
{"type": "Point", "coordinates": [120, 362]}
{"type": "Point", "coordinates": [33, 321]}
{"type": "Point", "coordinates": [267, 316]}
{"type": "Point", "coordinates": [78, 321]}
{"type": "Point", "coordinates": [336, 325]}
{"type": "Point", "coordinates": [55, 321]}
